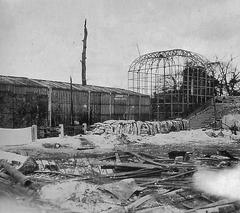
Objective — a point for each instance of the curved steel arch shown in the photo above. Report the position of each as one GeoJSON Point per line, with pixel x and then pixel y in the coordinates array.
{"type": "Point", "coordinates": [168, 54]}
{"type": "Point", "coordinates": [177, 81]}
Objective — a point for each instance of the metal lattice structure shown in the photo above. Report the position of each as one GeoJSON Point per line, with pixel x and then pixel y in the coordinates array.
{"type": "Point", "coordinates": [178, 81]}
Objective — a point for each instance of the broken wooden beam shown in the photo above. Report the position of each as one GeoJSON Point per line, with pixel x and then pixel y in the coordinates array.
{"type": "Point", "coordinates": [15, 174]}
{"type": "Point", "coordinates": [134, 174]}
{"type": "Point", "coordinates": [131, 207]}
{"type": "Point", "coordinates": [146, 159]}
{"type": "Point", "coordinates": [126, 165]}
{"type": "Point", "coordinates": [169, 178]}
{"type": "Point", "coordinates": [219, 203]}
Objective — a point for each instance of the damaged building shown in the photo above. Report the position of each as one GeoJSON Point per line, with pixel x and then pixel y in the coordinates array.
{"type": "Point", "coordinates": [178, 81]}
{"type": "Point", "coordinates": [25, 101]}
{"type": "Point", "coordinates": [162, 85]}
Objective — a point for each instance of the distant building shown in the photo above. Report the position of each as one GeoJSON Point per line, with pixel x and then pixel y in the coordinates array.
{"type": "Point", "coordinates": [24, 102]}
{"type": "Point", "coordinates": [178, 81]}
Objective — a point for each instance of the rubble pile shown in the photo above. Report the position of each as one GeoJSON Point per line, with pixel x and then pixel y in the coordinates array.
{"type": "Point", "coordinates": [139, 127]}
{"type": "Point", "coordinates": [74, 175]}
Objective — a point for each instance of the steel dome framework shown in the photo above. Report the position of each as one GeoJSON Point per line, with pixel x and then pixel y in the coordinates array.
{"type": "Point", "coordinates": [178, 81]}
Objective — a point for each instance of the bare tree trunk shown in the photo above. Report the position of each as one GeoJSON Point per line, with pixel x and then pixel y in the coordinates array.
{"type": "Point", "coordinates": [71, 93]}
{"type": "Point", "coordinates": [84, 81]}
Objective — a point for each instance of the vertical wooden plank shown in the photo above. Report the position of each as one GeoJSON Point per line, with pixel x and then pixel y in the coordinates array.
{"type": "Point", "coordinates": [128, 107]}
{"type": "Point", "coordinates": [61, 135]}
{"type": "Point", "coordinates": [101, 107]}
{"type": "Point", "coordinates": [50, 106]}
{"type": "Point", "coordinates": [110, 105]}
{"type": "Point", "coordinates": [205, 86]}
{"type": "Point", "coordinates": [34, 133]}
{"type": "Point", "coordinates": [89, 106]}
{"type": "Point", "coordinates": [13, 99]}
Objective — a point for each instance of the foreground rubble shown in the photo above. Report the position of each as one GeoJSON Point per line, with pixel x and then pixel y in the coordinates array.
{"type": "Point", "coordinates": [131, 175]}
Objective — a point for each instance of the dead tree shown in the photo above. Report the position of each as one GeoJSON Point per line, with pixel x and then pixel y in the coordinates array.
{"type": "Point", "coordinates": [227, 78]}
{"type": "Point", "coordinates": [83, 61]}
{"type": "Point", "coordinates": [71, 101]}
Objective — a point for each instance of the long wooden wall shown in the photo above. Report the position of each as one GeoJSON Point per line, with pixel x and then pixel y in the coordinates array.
{"type": "Point", "coordinates": [91, 107]}
{"type": "Point", "coordinates": [22, 106]}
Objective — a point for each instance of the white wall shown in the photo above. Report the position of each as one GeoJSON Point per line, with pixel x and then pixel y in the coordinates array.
{"type": "Point", "coordinates": [15, 136]}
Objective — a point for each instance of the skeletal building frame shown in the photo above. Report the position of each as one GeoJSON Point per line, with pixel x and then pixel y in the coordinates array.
{"type": "Point", "coordinates": [178, 81]}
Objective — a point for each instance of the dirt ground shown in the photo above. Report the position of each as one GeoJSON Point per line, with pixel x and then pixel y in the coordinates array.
{"type": "Point", "coordinates": [196, 141]}
{"type": "Point", "coordinates": [66, 190]}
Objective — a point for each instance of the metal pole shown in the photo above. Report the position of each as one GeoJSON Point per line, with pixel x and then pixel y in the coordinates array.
{"type": "Point", "coordinates": [128, 106]}
{"type": "Point", "coordinates": [164, 85]}
{"type": "Point", "coordinates": [139, 108]}
{"type": "Point", "coordinates": [214, 102]}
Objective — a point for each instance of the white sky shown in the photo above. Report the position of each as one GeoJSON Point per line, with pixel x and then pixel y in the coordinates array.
{"type": "Point", "coordinates": [43, 38]}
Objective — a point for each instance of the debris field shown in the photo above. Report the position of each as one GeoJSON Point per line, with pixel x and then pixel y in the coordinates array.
{"type": "Point", "coordinates": [120, 167]}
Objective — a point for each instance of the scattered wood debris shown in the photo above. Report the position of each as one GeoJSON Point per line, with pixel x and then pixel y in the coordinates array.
{"type": "Point", "coordinates": [139, 127]}
{"type": "Point", "coordinates": [120, 180]}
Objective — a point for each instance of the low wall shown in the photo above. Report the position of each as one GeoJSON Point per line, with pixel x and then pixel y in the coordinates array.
{"type": "Point", "coordinates": [15, 136]}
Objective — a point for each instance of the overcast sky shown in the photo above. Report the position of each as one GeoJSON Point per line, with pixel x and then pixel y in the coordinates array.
{"type": "Point", "coordinates": [43, 38]}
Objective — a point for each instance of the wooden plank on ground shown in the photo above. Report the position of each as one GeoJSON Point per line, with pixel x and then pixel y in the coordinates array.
{"type": "Point", "coordinates": [170, 178]}
{"type": "Point", "coordinates": [126, 165]}
{"type": "Point", "coordinates": [219, 203]}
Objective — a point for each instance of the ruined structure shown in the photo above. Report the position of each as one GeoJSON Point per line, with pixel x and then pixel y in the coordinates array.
{"type": "Point", "coordinates": [25, 101]}
{"type": "Point", "coordinates": [178, 81]}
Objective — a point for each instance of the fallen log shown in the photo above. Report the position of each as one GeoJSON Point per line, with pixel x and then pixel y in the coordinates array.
{"type": "Point", "coordinates": [126, 165]}
{"type": "Point", "coordinates": [15, 174]}
{"type": "Point", "coordinates": [40, 153]}
{"type": "Point", "coordinates": [156, 158]}
{"type": "Point", "coordinates": [173, 186]}
{"type": "Point", "coordinates": [219, 203]}
{"type": "Point", "coordinates": [114, 156]}
{"type": "Point", "coordinates": [60, 173]}
{"type": "Point", "coordinates": [146, 159]}
{"type": "Point", "coordinates": [134, 174]}
{"type": "Point", "coordinates": [24, 164]}
{"type": "Point", "coordinates": [168, 178]}
{"type": "Point", "coordinates": [149, 156]}
{"type": "Point", "coordinates": [120, 174]}
{"type": "Point", "coordinates": [166, 165]}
